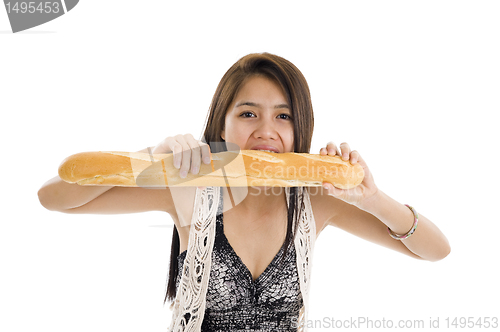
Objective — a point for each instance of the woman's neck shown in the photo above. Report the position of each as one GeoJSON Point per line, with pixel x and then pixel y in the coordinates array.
{"type": "Point", "coordinates": [255, 201]}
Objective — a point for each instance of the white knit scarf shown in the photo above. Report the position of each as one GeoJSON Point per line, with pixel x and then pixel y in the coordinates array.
{"type": "Point", "coordinates": [189, 304]}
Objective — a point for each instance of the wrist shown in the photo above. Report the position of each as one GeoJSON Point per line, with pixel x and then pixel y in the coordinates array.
{"type": "Point", "coordinates": [394, 215]}
{"type": "Point", "coordinates": [370, 203]}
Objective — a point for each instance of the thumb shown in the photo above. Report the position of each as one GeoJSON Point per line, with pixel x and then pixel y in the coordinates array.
{"type": "Point", "coordinates": [331, 190]}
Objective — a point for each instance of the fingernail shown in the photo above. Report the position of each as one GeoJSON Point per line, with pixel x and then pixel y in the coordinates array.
{"type": "Point", "coordinates": [183, 174]}
{"type": "Point", "coordinates": [345, 156]}
{"type": "Point", "coordinates": [206, 160]}
{"type": "Point", "coordinates": [195, 170]}
{"type": "Point", "coordinates": [325, 186]}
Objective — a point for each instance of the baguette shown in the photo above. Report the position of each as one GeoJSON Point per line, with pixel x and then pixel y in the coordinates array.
{"type": "Point", "coordinates": [228, 169]}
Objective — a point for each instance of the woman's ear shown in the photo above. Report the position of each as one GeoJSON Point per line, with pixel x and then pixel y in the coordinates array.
{"type": "Point", "coordinates": [222, 135]}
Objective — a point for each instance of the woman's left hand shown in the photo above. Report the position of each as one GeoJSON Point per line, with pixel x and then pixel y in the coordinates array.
{"type": "Point", "coordinates": [359, 194]}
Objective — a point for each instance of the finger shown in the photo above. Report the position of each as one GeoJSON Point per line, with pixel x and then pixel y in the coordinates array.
{"type": "Point", "coordinates": [354, 157]}
{"type": "Point", "coordinates": [195, 153]}
{"type": "Point", "coordinates": [176, 149]}
{"type": "Point", "coordinates": [157, 147]}
{"type": "Point", "coordinates": [332, 149]}
{"type": "Point", "coordinates": [345, 150]}
{"type": "Point", "coordinates": [184, 156]}
{"type": "Point", "coordinates": [205, 153]}
{"type": "Point", "coordinates": [331, 190]}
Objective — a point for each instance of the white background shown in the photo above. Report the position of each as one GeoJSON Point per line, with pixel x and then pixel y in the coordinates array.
{"type": "Point", "coordinates": [413, 86]}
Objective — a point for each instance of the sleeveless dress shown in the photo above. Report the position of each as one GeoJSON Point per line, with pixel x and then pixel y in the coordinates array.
{"type": "Point", "coordinates": [236, 302]}
{"type": "Point", "coordinates": [202, 302]}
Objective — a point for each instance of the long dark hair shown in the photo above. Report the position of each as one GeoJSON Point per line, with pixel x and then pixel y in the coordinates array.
{"type": "Point", "coordinates": [296, 90]}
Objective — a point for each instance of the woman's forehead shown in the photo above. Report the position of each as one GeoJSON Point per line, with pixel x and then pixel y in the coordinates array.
{"type": "Point", "coordinates": [257, 90]}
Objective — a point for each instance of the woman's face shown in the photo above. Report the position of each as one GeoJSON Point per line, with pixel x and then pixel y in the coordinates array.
{"type": "Point", "coordinates": [259, 117]}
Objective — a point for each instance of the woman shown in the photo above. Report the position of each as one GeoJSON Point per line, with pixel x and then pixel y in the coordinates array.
{"type": "Point", "coordinates": [252, 268]}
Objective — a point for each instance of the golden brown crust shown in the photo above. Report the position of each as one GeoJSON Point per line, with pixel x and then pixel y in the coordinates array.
{"type": "Point", "coordinates": [237, 169]}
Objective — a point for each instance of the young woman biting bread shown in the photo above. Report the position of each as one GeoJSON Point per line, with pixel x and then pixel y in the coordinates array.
{"type": "Point", "coordinates": [241, 254]}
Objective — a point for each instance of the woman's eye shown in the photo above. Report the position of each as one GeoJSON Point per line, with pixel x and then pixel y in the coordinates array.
{"type": "Point", "coordinates": [289, 117]}
{"type": "Point", "coordinates": [286, 115]}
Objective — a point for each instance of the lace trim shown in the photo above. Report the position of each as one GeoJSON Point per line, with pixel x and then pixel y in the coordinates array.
{"type": "Point", "coordinates": [304, 244]}
{"type": "Point", "coordinates": [189, 304]}
{"type": "Point", "coordinates": [189, 307]}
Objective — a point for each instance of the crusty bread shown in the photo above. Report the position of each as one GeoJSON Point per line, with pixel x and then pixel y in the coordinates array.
{"type": "Point", "coordinates": [229, 169]}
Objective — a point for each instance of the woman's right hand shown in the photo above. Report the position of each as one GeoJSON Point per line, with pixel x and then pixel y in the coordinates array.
{"type": "Point", "coordinates": [188, 153]}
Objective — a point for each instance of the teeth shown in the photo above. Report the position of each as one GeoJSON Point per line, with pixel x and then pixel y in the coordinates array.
{"type": "Point", "coordinates": [267, 151]}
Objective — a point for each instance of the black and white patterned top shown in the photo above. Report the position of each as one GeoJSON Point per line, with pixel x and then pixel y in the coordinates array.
{"type": "Point", "coordinates": [236, 302]}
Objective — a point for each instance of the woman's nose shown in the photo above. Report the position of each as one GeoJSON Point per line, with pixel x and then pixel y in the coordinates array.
{"type": "Point", "coordinates": [266, 129]}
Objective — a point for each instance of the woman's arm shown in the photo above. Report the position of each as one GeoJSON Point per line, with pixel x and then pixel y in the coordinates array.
{"type": "Point", "coordinates": [370, 220]}
{"type": "Point", "coordinates": [427, 241]}
{"type": "Point", "coordinates": [57, 195]}
{"type": "Point", "coordinates": [367, 212]}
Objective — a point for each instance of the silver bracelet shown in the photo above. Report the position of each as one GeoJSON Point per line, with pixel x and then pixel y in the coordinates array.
{"type": "Point", "coordinates": [411, 231]}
